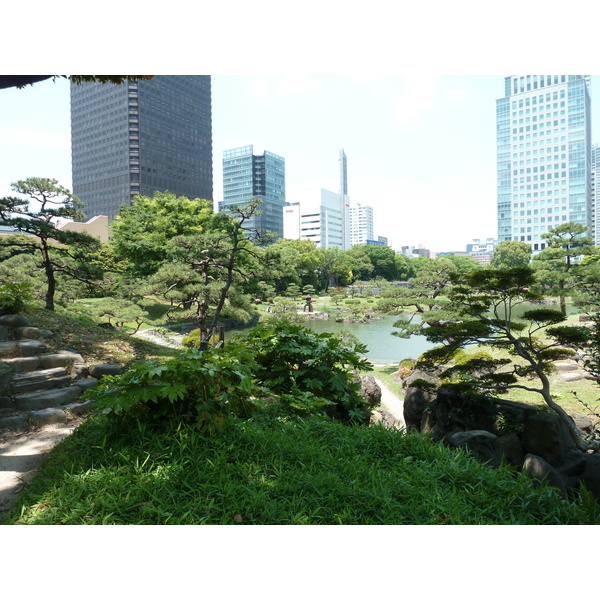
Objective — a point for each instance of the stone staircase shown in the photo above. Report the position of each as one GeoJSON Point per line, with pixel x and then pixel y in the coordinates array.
{"type": "Point", "coordinates": [40, 385]}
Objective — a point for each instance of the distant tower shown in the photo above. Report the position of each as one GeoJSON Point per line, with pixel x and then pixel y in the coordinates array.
{"type": "Point", "coordinates": [344, 201]}
{"type": "Point", "coordinates": [247, 176]}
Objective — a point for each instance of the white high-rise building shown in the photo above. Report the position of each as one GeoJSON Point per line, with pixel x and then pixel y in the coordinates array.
{"type": "Point", "coordinates": [596, 194]}
{"type": "Point", "coordinates": [543, 128]}
{"type": "Point", "coordinates": [315, 214]}
{"type": "Point", "coordinates": [361, 224]}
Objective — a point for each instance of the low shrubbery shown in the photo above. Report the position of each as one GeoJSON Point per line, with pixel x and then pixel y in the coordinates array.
{"type": "Point", "coordinates": [286, 363]}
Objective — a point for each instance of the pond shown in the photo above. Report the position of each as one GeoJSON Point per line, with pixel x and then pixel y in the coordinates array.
{"type": "Point", "coordinates": [383, 347]}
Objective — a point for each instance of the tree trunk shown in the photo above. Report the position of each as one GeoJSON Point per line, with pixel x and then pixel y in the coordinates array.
{"type": "Point", "coordinates": [51, 280]}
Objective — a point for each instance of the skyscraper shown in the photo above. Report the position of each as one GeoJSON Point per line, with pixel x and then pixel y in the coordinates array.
{"type": "Point", "coordinates": [361, 224]}
{"type": "Point", "coordinates": [543, 128]}
{"type": "Point", "coordinates": [140, 137]}
{"type": "Point", "coordinates": [247, 176]}
{"type": "Point", "coordinates": [344, 200]}
{"type": "Point", "coordinates": [596, 193]}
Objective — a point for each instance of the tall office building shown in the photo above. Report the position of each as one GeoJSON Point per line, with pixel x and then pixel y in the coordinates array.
{"type": "Point", "coordinates": [361, 224]}
{"type": "Point", "coordinates": [596, 193]}
{"type": "Point", "coordinates": [247, 176]}
{"type": "Point", "coordinates": [543, 127]}
{"type": "Point", "coordinates": [141, 137]}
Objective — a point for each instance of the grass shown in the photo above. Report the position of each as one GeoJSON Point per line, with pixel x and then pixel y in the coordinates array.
{"type": "Point", "coordinates": [96, 344]}
{"type": "Point", "coordinates": [269, 471]}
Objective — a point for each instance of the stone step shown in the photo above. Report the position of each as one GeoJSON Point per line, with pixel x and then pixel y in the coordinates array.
{"type": "Point", "coordinates": [47, 399]}
{"type": "Point", "coordinates": [43, 379]}
{"type": "Point", "coordinates": [22, 348]}
{"type": "Point", "coordinates": [22, 364]}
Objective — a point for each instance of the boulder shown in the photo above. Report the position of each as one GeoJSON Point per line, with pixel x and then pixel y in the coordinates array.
{"type": "Point", "coordinates": [370, 390]}
{"type": "Point", "coordinates": [583, 423]}
{"type": "Point", "coordinates": [99, 370]}
{"type": "Point", "coordinates": [591, 474]}
{"type": "Point", "coordinates": [512, 450]}
{"type": "Point", "coordinates": [543, 472]}
{"type": "Point", "coordinates": [47, 416]}
{"type": "Point", "coordinates": [483, 445]}
{"type": "Point", "coordinates": [5, 379]}
{"type": "Point", "coordinates": [547, 436]}
{"type": "Point", "coordinates": [563, 366]}
{"type": "Point", "coordinates": [13, 321]}
{"type": "Point", "coordinates": [3, 333]}
{"type": "Point", "coordinates": [568, 377]}
{"type": "Point", "coordinates": [415, 404]}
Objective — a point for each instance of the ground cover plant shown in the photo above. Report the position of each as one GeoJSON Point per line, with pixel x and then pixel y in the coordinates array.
{"type": "Point", "coordinates": [276, 470]}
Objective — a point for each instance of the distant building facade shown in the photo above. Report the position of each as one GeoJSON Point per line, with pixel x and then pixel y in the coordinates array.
{"type": "Point", "coordinates": [141, 137]}
{"type": "Point", "coordinates": [361, 224]}
{"type": "Point", "coordinates": [316, 215]}
{"type": "Point", "coordinates": [247, 176]}
{"type": "Point", "coordinates": [543, 126]}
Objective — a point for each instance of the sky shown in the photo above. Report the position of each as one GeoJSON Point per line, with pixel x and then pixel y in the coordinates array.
{"type": "Point", "coordinates": [421, 149]}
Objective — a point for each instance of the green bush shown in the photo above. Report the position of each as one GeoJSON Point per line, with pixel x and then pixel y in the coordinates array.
{"type": "Point", "coordinates": [15, 298]}
{"type": "Point", "coordinates": [192, 339]}
{"type": "Point", "coordinates": [203, 387]}
{"type": "Point", "coordinates": [292, 359]}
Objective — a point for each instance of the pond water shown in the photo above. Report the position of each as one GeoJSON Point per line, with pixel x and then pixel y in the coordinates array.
{"type": "Point", "coordinates": [383, 347]}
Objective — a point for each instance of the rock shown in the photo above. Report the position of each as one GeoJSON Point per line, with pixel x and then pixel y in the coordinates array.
{"type": "Point", "coordinates": [99, 370]}
{"type": "Point", "coordinates": [47, 399]}
{"type": "Point", "coordinates": [15, 422]}
{"type": "Point", "coordinates": [79, 370]}
{"type": "Point", "coordinates": [591, 474]}
{"type": "Point", "coordinates": [13, 321]}
{"type": "Point", "coordinates": [547, 436]}
{"type": "Point", "coordinates": [483, 445]}
{"type": "Point", "coordinates": [563, 366]}
{"type": "Point", "coordinates": [48, 416]}
{"type": "Point", "coordinates": [35, 333]}
{"type": "Point", "coordinates": [79, 409]}
{"type": "Point", "coordinates": [542, 472]}
{"type": "Point", "coordinates": [571, 376]}
{"type": "Point", "coordinates": [572, 468]}
{"type": "Point", "coordinates": [3, 333]}
{"type": "Point", "coordinates": [584, 424]}
{"type": "Point", "coordinates": [6, 403]}
{"type": "Point", "coordinates": [86, 383]}
{"type": "Point", "coordinates": [370, 390]}
{"type": "Point", "coordinates": [6, 375]}
{"type": "Point", "coordinates": [415, 404]}
{"type": "Point", "coordinates": [512, 450]}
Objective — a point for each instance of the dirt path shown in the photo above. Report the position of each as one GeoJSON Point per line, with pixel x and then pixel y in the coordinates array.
{"type": "Point", "coordinates": [391, 403]}
{"type": "Point", "coordinates": [20, 457]}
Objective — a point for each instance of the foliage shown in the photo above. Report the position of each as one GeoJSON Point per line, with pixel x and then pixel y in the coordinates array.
{"type": "Point", "coordinates": [61, 251]}
{"type": "Point", "coordinates": [511, 255]}
{"type": "Point", "coordinates": [14, 298]}
{"type": "Point", "coordinates": [203, 387]}
{"type": "Point", "coordinates": [292, 359]}
{"type": "Point", "coordinates": [268, 471]}
{"type": "Point", "coordinates": [141, 230]}
{"type": "Point", "coordinates": [557, 265]}
{"type": "Point", "coordinates": [21, 81]}
{"type": "Point", "coordinates": [483, 303]}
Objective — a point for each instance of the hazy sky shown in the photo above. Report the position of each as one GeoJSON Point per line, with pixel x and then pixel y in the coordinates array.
{"type": "Point", "coordinates": [421, 149]}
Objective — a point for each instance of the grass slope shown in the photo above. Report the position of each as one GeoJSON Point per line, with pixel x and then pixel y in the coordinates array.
{"type": "Point", "coordinates": [275, 472]}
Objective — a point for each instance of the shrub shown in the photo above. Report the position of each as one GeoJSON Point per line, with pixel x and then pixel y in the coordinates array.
{"type": "Point", "coordinates": [14, 298]}
{"type": "Point", "coordinates": [199, 386]}
{"type": "Point", "coordinates": [292, 359]}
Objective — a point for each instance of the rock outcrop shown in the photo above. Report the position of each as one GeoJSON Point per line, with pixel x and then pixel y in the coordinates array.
{"type": "Point", "coordinates": [497, 431]}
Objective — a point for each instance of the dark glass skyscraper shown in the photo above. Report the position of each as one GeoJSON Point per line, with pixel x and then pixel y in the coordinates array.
{"type": "Point", "coordinates": [141, 137]}
{"type": "Point", "coordinates": [247, 176]}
